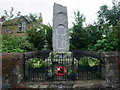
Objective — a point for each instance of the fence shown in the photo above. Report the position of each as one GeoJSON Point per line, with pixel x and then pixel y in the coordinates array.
{"type": "Point", "coordinates": [60, 69]}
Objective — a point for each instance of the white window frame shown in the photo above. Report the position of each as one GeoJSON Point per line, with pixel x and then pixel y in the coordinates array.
{"type": "Point", "coordinates": [22, 27]}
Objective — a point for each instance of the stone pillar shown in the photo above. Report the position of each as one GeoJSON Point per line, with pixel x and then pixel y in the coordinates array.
{"type": "Point", "coordinates": [60, 36]}
{"type": "Point", "coordinates": [111, 69]}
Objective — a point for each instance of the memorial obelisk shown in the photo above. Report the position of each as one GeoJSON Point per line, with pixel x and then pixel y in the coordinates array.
{"type": "Point", "coordinates": [60, 34]}
{"type": "Point", "coordinates": [60, 29]}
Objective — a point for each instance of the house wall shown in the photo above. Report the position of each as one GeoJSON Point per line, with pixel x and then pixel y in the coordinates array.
{"type": "Point", "coordinates": [15, 31]}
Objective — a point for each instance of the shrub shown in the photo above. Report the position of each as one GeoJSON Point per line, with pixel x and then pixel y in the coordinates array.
{"type": "Point", "coordinates": [89, 61]}
{"type": "Point", "coordinates": [36, 63]}
{"type": "Point", "coordinates": [15, 44]}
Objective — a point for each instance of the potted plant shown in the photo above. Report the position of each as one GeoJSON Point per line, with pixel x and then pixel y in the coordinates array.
{"type": "Point", "coordinates": [37, 64]}
{"type": "Point", "coordinates": [87, 63]}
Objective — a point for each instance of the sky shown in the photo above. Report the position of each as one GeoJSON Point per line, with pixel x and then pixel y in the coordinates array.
{"type": "Point", "coordinates": [88, 8]}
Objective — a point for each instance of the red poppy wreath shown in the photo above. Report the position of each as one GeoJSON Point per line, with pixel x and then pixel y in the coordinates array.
{"type": "Point", "coordinates": [61, 71]}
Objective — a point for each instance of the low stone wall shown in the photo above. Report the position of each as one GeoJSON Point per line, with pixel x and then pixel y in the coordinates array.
{"type": "Point", "coordinates": [11, 70]}
{"type": "Point", "coordinates": [12, 66]}
{"type": "Point", "coordinates": [110, 66]}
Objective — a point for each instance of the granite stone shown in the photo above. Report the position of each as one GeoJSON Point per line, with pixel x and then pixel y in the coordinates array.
{"type": "Point", "coordinates": [60, 29]}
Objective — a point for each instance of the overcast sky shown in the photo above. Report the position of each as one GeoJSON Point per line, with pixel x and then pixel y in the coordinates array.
{"type": "Point", "coordinates": [86, 7]}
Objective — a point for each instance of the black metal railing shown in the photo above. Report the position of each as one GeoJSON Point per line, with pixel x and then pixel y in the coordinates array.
{"type": "Point", "coordinates": [60, 69]}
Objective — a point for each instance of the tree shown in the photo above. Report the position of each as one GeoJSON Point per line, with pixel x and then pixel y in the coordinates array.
{"type": "Point", "coordinates": [48, 29]}
{"type": "Point", "coordinates": [111, 16]}
{"type": "Point", "coordinates": [9, 16]}
{"type": "Point", "coordinates": [108, 26]}
{"type": "Point", "coordinates": [36, 36]}
{"type": "Point", "coordinates": [93, 35]}
{"type": "Point", "coordinates": [35, 19]}
{"type": "Point", "coordinates": [78, 35]}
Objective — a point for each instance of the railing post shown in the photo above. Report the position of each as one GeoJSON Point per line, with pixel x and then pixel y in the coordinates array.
{"type": "Point", "coordinates": [78, 69]}
{"type": "Point", "coordinates": [73, 65]}
{"type": "Point", "coordinates": [52, 64]}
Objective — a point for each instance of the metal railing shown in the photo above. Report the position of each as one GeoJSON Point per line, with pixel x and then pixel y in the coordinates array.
{"type": "Point", "coordinates": [61, 69]}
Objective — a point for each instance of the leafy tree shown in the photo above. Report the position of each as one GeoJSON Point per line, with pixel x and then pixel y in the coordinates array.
{"type": "Point", "coordinates": [78, 35]}
{"type": "Point", "coordinates": [111, 16]}
{"type": "Point", "coordinates": [114, 15]}
{"type": "Point", "coordinates": [48, 29]}
{"type": "Point", "coordinates": [115, 36]}
{"type": "Point", "coordinates": [93, 35]}
{"type": "Point", "coordinates": [108, 25]}
{"type": "Point", "coordinates": [9, 16]}
{"type": "Point", "coordinates": [36, 36]}
{"type": "Point", "coordinates": [35, 19]}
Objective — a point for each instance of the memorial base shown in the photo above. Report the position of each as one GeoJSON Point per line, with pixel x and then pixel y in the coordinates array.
{"type": "Point", "coordinates": [62, 58]}
{"type": "Point", "coordinates": [62, 55]}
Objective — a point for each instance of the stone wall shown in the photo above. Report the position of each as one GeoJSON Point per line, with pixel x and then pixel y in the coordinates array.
{"type": "Point", "coordinates": [110, 65]}
{"type": "Point", "coordinates": [12, 66]}
{"type": "Point", "coordinates": [11, 71]}
{"type": "Point", "coordinates": [112, 68]}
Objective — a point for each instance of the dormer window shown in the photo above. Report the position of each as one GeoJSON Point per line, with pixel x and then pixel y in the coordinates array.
{"type": "Point", "coordinates": [22, 27]}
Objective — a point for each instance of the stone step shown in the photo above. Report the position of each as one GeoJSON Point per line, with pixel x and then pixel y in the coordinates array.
{"type": "Point", "coordinates": [87, 84]}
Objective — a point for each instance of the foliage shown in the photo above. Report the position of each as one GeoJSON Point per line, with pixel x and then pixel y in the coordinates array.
{"type": "Point", "coordinates": [78, 34]}
{"type": "Point", "coordinates": [33, 17]}
{"type": "Point", "coordinates": [85, 61]}
{"type": "Point", "coordinates": [115, 36]}
{"type": "Point", "coordinates": [9, 16]}
{"type": "Point", "coordinates": [36, 20]}
{"type": "Point", "coordinates": [111, 16]}
{"type": "Point", "coordinates": [69, 72]}
{"type": "Point", "coordinates": [108, 25]}
{"type": "Point", "coordinates": [105, 45]}
{"type": "Point", "coordinates": [36, 36]}
{"type": "Point", "coordinates": [36, 63]}
{"type": "Point", "coordinates": [93, 35]}
{"type": "Point", "coordinates": [15, 44]}
{"type": "Point", "coordinates": [102, 35]}
{"type": "Point", "coordinates": [48, 29]}
{"type": "Point", "coordinates": [41, 36]}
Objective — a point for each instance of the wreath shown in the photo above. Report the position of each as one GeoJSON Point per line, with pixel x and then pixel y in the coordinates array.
{"type": "Point", "coordinates": [61, 71]}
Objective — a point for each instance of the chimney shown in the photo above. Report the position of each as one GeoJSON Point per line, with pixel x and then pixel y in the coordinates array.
{"type": "Point", "coordinates": [40, 18]}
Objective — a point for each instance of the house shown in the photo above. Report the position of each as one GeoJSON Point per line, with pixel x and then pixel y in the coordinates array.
{"type": "Point", "coordinates": [1, 20]}
{"type": "Point", "coordinates": [17, 26]}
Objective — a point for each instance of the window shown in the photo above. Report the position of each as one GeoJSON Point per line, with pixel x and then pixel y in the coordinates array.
{"type": "Point", "coordinates": [22, 26]}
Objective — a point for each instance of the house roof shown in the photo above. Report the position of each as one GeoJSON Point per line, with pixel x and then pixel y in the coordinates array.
{"type": "Point", "coordinates": [17, 19]}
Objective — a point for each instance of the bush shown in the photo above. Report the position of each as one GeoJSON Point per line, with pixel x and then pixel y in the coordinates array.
{"type": "Point", "coordinates": [15, 44]}
{"type": "Point", "coordinates": [85, 61]}
{"type": "Point", "coordinates": [36, 63]}
{"type": "Point", "coordinates": [36, 36]}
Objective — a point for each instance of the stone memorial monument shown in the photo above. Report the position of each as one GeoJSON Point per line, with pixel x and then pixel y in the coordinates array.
{"type": "Point", "coordinates": [60, 36]}
{"type": "Point", "coordinates": [60, 29]}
